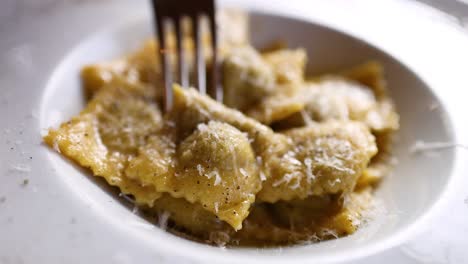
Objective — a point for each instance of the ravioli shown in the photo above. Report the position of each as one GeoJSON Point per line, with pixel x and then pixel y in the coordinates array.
{"type": "Point", "coordinates": [107, 134]}
{"type": "Point", "coordinates": [247, 78]}
{"type": "Point", "coordinates": [285, 158]}
{"type": "Point", "coordinates": [214, 166]}
{"type": "Point", "coordinates": [326, 158]}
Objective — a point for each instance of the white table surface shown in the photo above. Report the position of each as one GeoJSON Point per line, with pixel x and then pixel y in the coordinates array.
{"type": "Point", "coordinates": [406, 29]}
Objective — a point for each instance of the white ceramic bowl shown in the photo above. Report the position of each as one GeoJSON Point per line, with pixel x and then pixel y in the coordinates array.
{"type": "Point", "coordinates": [408, 195]}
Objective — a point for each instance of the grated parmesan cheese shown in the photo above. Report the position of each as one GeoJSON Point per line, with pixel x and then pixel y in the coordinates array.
{"type": "Point", "coordinates": [310, 175]}
{"type": "Point", "coordinates": [56, 147]}
{"type": "Point", "coordinates": [200, 169]}
{"type": "Point", "coordinates": [306, 117]}
{"type": "Point", "coordinates": [334, 182]}
{"type": "Point", "coordinates": [163, 219]}
{"type": "Point", "coordinates": [217, 179]}
{"type": "Point", "coordinates": [22, 168]}
{"type": "Point", "coordinates": [215, 174]}
{"type": "Point", "coordinates": [127, 198]}
{"type": "Point", "coordinates": [287, 178]}
{"type": "Point", "coordinates": [259, 160]}
{"type": "Point", "coordinates": [328, 232]}
{"type": "Point", "coordinates": [243, 172]}
{"type": "Point", "coordinates": [262, 176]}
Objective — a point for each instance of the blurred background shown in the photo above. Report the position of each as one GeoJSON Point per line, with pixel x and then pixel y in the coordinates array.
{"type": "Point", "coordinates": [12, 11]}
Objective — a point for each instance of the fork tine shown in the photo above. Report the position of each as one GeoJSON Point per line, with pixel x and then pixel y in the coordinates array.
{"type": "Point", "coordinates": [199, 54]}
{"type": "Point", "coordinates": [171, 9]}
{"type": "Point", "coordinates": [182, 65]}
{"type": "Point", "coordinates": [215, 88]}
{"type": "Point", "coordinates": [166, 64]}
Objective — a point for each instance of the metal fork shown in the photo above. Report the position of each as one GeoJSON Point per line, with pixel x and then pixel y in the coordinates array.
{"type": "Point", "coordinates": [166, 11]}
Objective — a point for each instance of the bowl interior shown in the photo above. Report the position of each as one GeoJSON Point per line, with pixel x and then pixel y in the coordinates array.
{"type": "Point", "coordinates": [406, 195]}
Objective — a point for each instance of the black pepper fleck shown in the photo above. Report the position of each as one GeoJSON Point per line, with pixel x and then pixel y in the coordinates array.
{"type": "Point", "coordinates": [25, 182]}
